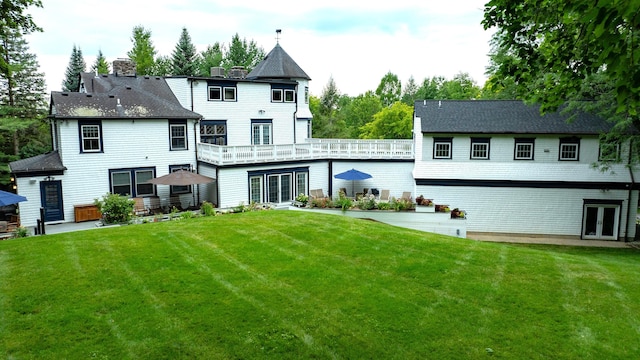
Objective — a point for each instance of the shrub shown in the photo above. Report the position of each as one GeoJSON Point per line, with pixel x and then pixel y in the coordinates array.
{"type": "Point", "coordinates": [302, 198]}
{"type": "Point", "coordinates": [343, 203]}
{"type": "Point", "coordinates": [186, 215]}
{"type": "Point", "coordinates": [367, 202]}
{"type": "Point", "coordinates": [207, 209]}
{"type": "Point", "coordinates": [20, 232]}
{"type": "Point", "coordinates": [401, 204]}
{"type": "Point", "coordinates": [322, 203]}
{"type": "Point", "coordinates": [384, 205]}
{"type": "Point", "coordinates": [115, 208]}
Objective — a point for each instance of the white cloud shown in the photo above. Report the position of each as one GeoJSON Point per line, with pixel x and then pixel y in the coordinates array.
{"type": "Point", "coordinates": [355, 42]}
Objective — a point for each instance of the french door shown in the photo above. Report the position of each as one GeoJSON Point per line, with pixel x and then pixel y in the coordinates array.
{"type": "Point", "coordinates": [600, 221]}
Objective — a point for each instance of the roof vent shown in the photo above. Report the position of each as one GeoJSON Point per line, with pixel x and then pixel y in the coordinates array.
{"type": "Point", "coordinates": [237, 72]}
{"type": "Point", "coordinates": [217, 71]}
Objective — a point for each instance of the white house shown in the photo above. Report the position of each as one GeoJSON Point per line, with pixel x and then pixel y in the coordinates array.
{"type": "Point", "coordinates": [515, 171]}
{"type": "Point", "coordinates": [510, 169]}
{"type": "Point", "coordinates": [116, 134]}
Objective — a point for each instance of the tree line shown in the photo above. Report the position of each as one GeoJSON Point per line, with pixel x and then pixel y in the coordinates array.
{"type": "Point", "coordinates": [184, 59]}
{"type": "Point", "coordinates": [555, 54]}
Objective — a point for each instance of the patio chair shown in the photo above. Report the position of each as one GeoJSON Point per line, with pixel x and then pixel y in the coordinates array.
{"type": "Point", "coordinates": [138, 207]}
{"type": "Point", "coordinates": [154, 205]}
{"type": "Point", "coordinates": [317, 194]}
{"type": "Point", "coordinates": [174, 201]}
{"type": "Point", "coordinates": [344, 191]}
{"type": "Point", "coordinates": [406, 195]}
{"type": "Point", "coordinates": [384, 195]}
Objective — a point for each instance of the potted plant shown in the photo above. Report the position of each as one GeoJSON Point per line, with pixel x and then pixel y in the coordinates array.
{"type": "Point", "coordinates": [424, 205]}
{"type": "Point", "coordinates": [301, 200]}
{"type": "Point", "coordinates": [457, 214]}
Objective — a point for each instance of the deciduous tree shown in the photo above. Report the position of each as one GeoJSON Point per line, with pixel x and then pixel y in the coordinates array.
{"type": "Point", "coordinates": [389, 89]}
{"type": "Point", "coordinates": [211, 57]}
{"type": "Point", "coordinates": [143, 51]}
{"type": "Point", "coordinates": [243, 53]}
{"type": "Point", "coordinates": [392, 122]}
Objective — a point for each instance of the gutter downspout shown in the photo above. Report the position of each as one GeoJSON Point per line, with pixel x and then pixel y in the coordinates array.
{"type": "Point", "coordinates": [633, 181]}
{"type": "Point", "coordinates": [195, 144]}
{"type": "Point", "coordinates": [295, 114]}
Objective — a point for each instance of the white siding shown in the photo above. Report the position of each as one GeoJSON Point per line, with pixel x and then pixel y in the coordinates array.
{"type": "Point", "coordinates": [126, 144]}
{"type": "Point", "coordinates": [525, 210]}
{"type": "Point", "coordinates": [180, 88]}
{"type": "Point", "coordinates": [393, 176]}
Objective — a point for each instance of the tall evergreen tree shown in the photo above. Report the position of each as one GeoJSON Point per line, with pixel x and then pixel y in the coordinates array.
{"type": "Point", "coordinates": [184, 58]}
{"type": "Point", "coordinates": [409, 92]}
{"type": "Point", "coordinates": [23, 103]}
{"type": "Point", "coordinates": [101, 65]}
{"type": "Point", "coordinates": [143, 51]}
{"type": "Point", "coordinates": [13, 18]}
{"type": "Point", "coordinates": [243, 53]}
{"type": "Point", "coordinates": [76, 66]}
{"type": "Point", "coordinates": [211, 57]}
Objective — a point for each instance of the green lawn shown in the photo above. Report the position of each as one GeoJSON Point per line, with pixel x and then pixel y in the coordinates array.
{"type": "Point", "coordinates": [289, 284]}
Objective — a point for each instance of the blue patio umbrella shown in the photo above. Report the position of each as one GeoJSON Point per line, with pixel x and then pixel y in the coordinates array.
{"type": "Point", "coordinates": [352, 175]}
{"type": "Point", "coordinates": [7, 198]}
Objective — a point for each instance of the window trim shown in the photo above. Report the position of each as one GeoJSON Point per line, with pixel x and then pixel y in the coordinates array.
{"type": "Point", "coordinates": [442, 141]}
{"type": "Point", "coordinates": [81, 125]}
{"type": "Point", "coordinates": [226, 92]}
{"type": "Point", "coordinates": [480, 141]}
{"type": "Point", "coordinates": [133, 180]}
{"type": "Point", "coordinates": [289, 96]}
{"type": "Point", "coordinates": [572, 141]}
{"type": "Point", "coordinates": [215, 136]}
{"type": "Point", "coordinates": [616, 152]}
{"type": "Point", "coordinates": [182, 124]}
{"type": "Point", "coordinates": [524, 141]}
{"type": "Point", "coordinates": [262, 123]}
{"type": "Point", "coordinates": [276, 95]}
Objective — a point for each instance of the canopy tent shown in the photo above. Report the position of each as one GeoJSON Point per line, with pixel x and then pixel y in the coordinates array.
{"type": "Point", "coordinates": [353, 175]}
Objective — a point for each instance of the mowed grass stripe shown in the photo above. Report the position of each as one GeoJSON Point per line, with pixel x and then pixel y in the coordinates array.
{"type": "Point", "coordinates": [280, 285]}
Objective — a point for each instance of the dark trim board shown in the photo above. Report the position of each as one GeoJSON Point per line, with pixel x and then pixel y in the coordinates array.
{"type": "Point", "coordinates": [530, 184]}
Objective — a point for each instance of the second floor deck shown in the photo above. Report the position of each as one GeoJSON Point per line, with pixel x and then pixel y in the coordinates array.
{"type": "Point", "coordinates": [311, 149]}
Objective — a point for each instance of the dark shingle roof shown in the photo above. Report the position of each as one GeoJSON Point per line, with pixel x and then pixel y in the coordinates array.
{"type": "Point", "coordinates": [110, 96]}
{"type": "Point", "coordinates": [39, 164]}
{"type": "Point", "coordinates": [501, 117]}
{"type": "Point", "coordinates": [277, 65]}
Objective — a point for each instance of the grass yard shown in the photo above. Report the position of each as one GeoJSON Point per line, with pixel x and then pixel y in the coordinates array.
{"type": "Point", "coordinates": [292, 285]}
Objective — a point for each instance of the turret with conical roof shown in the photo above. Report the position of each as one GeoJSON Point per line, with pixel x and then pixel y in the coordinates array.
{"type": "Point", "coordinates": [278, 65]}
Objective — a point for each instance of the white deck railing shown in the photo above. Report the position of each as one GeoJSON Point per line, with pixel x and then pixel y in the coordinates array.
{"type": "Point", "coordinates": [312, 149]}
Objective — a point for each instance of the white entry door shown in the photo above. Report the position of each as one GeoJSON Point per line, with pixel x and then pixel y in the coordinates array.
{"type": "Point", "coordinates": [600, 221]}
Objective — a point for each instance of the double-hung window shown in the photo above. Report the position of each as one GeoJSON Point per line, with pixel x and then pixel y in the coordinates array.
{"type": "Point", "coordinates": [261, 132]}
{"type": "Point", "coordinates": [569, 149]}
{"type": "Point", "coordinates": [132, 182]}
{"type": "Point", "coordinates": [442, 148]}
{"type": "Point", "coordinates": [178, 135]}
{"type": "Point", "coordinates": [90, 136]}
{"type": "Point", "coordinates": [480, 148]}
{"type": "Point", "coordinates": [523, 149]}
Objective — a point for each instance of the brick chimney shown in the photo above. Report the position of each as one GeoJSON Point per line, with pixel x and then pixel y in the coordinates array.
{"type": "Point", "coordinates": [124, 67]}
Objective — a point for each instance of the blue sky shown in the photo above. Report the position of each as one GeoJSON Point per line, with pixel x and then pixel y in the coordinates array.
{"type": "Point", "coordinates": [354, 42]}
